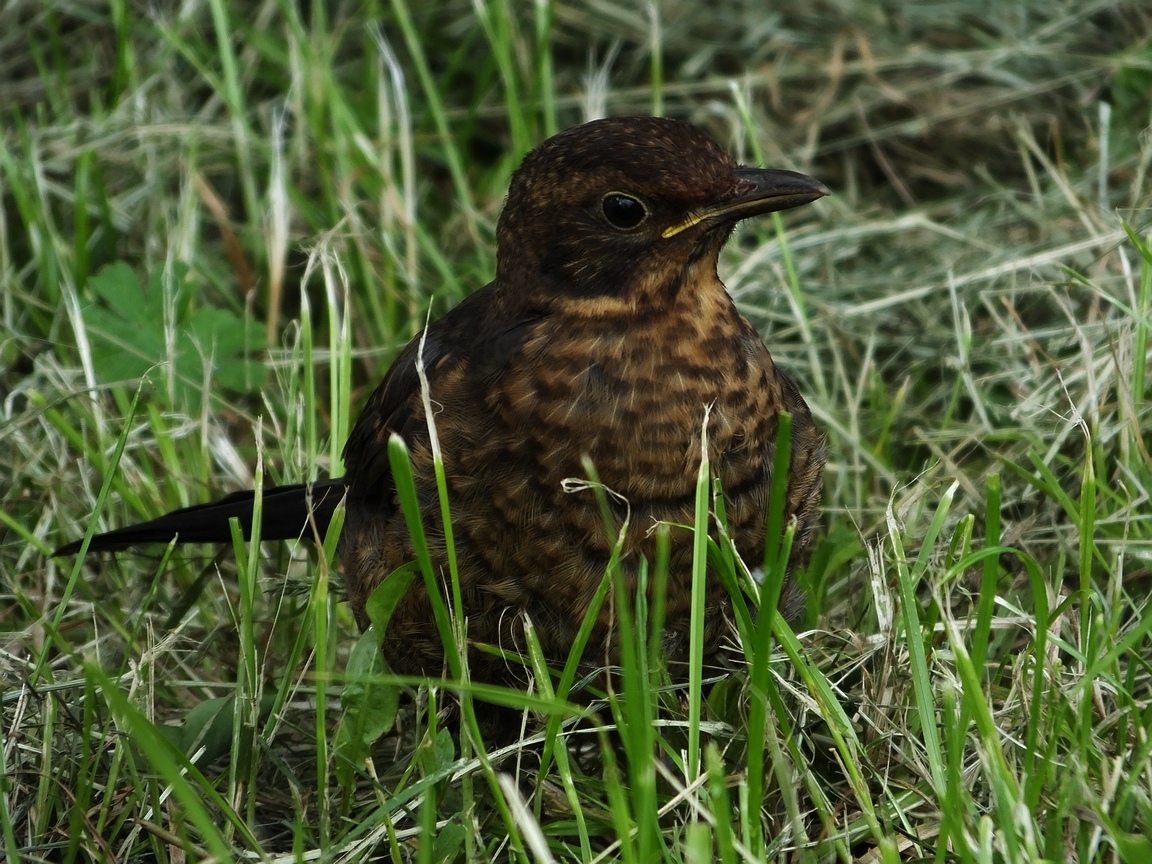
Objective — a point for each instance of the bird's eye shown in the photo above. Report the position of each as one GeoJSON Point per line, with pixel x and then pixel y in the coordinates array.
{"type": "Point", "coordinates": [623, 211]}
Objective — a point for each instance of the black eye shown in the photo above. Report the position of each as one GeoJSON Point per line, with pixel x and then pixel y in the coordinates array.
{"type": "Point", "coordinates": [623, 211]}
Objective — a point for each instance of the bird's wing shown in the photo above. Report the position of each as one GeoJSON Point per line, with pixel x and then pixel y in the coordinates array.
{"type": "Point", "coordinates": [471, 336]}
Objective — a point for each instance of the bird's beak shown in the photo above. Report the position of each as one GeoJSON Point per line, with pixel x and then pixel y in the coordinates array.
{"type": "Point", "coordinates": [758, 190]}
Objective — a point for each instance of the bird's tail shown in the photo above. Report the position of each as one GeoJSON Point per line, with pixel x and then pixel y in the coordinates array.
{"type": "Point", "coordinates": [288, 513]}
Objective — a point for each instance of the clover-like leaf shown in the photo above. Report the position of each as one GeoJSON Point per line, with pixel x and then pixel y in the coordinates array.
{"type": "Point", "coordinates": [212, 349]}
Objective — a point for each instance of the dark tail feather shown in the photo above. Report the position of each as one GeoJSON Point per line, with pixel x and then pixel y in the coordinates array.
{"type": "Point", "coordinates": [285, 517]}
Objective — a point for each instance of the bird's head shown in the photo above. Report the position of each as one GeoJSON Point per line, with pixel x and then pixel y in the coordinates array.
{"type": "Point", "coordinates": [623, 209]}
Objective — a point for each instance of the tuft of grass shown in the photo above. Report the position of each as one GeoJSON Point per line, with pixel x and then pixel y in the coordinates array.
{"type": "Point", "coordinates": [969, 316]}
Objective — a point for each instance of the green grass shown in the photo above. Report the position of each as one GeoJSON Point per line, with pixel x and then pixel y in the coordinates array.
{"type": "Point", "coordinates": [968, 316]}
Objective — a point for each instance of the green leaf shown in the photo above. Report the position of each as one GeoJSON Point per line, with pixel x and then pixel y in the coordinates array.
{"type": "Point", "coordinates": [387, 596]}
{"type": "Point", "coordinates": [369, 704]}
{"type": "Point", "coordinates": [208, 724]}
{"type": "Point", "coordinates": [212, 349]}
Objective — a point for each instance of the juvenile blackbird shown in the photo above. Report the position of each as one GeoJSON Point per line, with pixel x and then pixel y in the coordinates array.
{"type": "Point", "coordinates": [605, 333]}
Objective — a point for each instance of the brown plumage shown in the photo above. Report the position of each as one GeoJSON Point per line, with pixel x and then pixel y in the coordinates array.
{"type": "Point", "coordinates": [605, 333]}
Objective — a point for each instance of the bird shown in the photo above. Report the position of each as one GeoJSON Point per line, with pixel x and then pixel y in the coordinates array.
{"type": "Point", "coordinates": [606, 335]}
